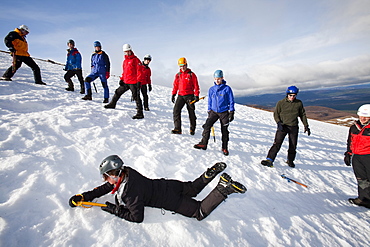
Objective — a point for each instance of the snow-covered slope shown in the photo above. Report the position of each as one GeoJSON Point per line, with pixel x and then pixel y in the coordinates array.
{"type": "Point", "coordinates": [51, 143]}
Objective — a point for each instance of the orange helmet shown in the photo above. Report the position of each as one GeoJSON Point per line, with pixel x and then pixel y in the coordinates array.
{"type": "Point", "coordinates": [182, 61]}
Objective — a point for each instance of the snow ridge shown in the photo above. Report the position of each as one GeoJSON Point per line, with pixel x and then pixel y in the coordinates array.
{"type": "Point", "coordinates": [51, 143]}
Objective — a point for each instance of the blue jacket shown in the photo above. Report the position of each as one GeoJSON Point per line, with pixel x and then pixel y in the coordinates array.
{"type": "Point", "coordinates": [100, 63]}
{"type": "Point", "coordinates": [220, 98]}
{"type": "Point", "coordinates": [73, 60]}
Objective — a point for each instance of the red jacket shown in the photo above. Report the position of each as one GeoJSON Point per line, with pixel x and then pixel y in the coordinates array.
{"type": "Point", "coordinates": [185, 83]}
{"type": "Point", "coordinates": [146, 73]}
{"type": "Point", "coordinates": [131, 69]}
{"type": "Point", "coordinates": [358, 141]}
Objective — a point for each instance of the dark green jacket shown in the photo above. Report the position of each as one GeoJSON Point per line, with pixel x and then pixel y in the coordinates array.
{"type": "Point", "coordinates": [288, 112]}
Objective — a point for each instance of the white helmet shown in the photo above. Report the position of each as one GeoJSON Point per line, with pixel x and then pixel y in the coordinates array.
{"type": "Point", "coordinates": [148, 57]}
{"type": "Point", "coordinates": [24, 27]}
{"type": "Point", "coordinates": [364, 110]}
{"type": "Point", "coordinates": [126, 47]}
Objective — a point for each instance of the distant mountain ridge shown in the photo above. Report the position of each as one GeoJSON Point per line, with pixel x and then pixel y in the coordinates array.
{"type": "Point", "coordinates": [344, 98]}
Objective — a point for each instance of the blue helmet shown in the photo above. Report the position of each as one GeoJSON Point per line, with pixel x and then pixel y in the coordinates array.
{"type": "Point", "coordinates": [218, 74]}
{"type": "Point", "coordinates": [292, 89]}
{"type": "Point", "coordinates": [97, 43]}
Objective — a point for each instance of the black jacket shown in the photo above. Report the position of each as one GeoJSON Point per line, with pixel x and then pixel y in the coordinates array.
{"type": "Point", "coordinates": [141, 191]}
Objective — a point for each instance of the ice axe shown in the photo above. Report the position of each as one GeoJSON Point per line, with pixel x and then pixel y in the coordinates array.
{"type": "Point", "coordinates": [87, 204]}
{"type": "Point", "coordinates": [213, 133]}
{"type": "Point", "coordinates": [95, 87]}
{"type": "Point", "coordinates": [192, 102]}
{"type": "Point", "coordinates": [292, 180]}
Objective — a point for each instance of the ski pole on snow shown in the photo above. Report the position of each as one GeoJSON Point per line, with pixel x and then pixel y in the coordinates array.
{"type": "Point", "coordinates": [86, 204]}
{"type": "Point", "coordinates": [192, 102]}
{"type": "Point", "coordinates": [292, 180]}
{"type": "Point", "coordinates": [213, 133]}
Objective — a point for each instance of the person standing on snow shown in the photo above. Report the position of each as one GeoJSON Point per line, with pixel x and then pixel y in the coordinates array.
{"type": "Point", "coordinates": [146, 83]}
{"type": "Point", "coordinates": [286, 116]}
{"type": "Point", "coordinates": [358, 149]}
{"type": "Point", "coordinates": [130, 80]}
{"type": "Point", "coordinates": [187, 87]}
{"type": "Point", "coordinates": [100, 67]}
{"type": "Point", "coordinates": [220, 106]}
{"type": "Point", "coordinates": [18, 47]}
{"type": "Point", "coordinates": [135, 191]}
{"type": "Point", "coordinates": [73, 67]}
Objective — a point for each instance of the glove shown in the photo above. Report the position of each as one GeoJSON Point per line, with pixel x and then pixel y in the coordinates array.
{"type": "Point", "coordinates": [12, 50]}
{"type": "Point", "coordinates": [196, 98]}
{"type": "Point", "coordinates": [110, 208]}
{"type": "Point", "coordinates": [121, 83]}
{"type": "Point", "coordinates": [306, 129]}
{"type": "Point", "coordinates": [347, 158]}
{"type": "Point", "coordinates": [74, 199]}
{"type": "Point", "coordinates": [231, 116]}
{"type": "Point", "coordinates": [138, 85]}
{"type": "Point", "coordinates": [280, 126]}
{"type": "Point", "coordinates": [150, 87]}
{"type": "Point", "coordinates": [107, 75]}
{"type": "Point", "coordinates": [173, 98]}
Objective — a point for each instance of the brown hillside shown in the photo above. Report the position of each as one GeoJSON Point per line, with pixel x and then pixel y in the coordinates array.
{"type": "Point", "coordinates": [322, 113]}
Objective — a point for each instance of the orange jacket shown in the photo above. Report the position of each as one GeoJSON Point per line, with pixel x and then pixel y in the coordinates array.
{"type": "Point", "coordinates": [15, 40]}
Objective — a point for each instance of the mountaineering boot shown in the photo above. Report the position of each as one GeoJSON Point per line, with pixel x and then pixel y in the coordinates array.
{"type": "Point", "coordinates": [215, 169]}
{"type": "Point", "coordinates": [200, 146]}
{"type": "Point", "coordinates": [5, 78]}
{"type": "Point", "coordinates": [267, 162]}
{"type": "Point", "coordinates": [106, 100]}
{"type": "Point", "coordinates": [139, 115]}
{"type": "Point", "coordinates": [113, 102]}
{"type": "Point", "coordinates": [192, 132]}
{"type": "Point", "coordinates": [175, 131]}
{"type": "Point", "coordinates": [70, 87]}
{"type": "Point", "coordinates": [290, 163]}
{"type": "Point", "coordinates": [40, 83]}
{"type": "Point", "coordinates": [82, 86]}
{"type": "Point", "coordinates": [146, 109]}
{"type": "Point", "coordinates": [227, 186]}
{"type": "Point", "coordinates": [225, 152]}
{"type": "Point", "coordinates": [357, 201]}
{"type": "Point", "coordinates": [88, 96]}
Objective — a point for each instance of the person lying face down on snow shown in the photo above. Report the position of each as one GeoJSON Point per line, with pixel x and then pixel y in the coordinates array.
{"type": "Point", "coordinates": [135, 191]}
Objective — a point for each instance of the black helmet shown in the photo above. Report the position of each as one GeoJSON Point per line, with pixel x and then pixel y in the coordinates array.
{"type": "Point", "coordinates": [71, 41]}
{"type": "Point", "coordinates": [110, 163]}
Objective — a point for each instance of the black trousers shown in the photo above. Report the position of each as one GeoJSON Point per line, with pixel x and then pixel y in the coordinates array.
{"type": "Point", "coordinates": [181, 101]}
{"type": "Point", "coordinates": [123, 87]}
{"type": "Point", "coordinates": [292, 132]}
{"type": "Point", "coordinates": [144, 91]}
{"type": "Point", "coordinates": [198, 209]}
{"type": "Point", "coordinates": [224, 121]}
{"type": "Point", "coordinates": [70, 73]}
{"type": "Point", "coordinates": [361, 168]}
{"type": "Point", "coordinates": [29, 62]}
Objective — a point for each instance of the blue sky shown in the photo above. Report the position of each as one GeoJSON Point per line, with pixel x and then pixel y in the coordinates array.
{"type": "Point", "coordinates": [261, 45]}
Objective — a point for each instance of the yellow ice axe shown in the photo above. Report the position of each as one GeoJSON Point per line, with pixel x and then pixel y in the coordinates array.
{"type": "Point", "coordinates": [192, 102]}
{"type": "Point", "coordinates": [86, 204]}
{"type": "Point", "coordinates": [213, 133]}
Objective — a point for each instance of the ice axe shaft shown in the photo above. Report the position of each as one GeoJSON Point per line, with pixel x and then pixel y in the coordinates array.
{"type": "Point", "coordinates": [292, 180]}
{"type": "Point", "coordinates": [213, 133]}
{"type": "Point", "coordinates": [86, 204]}
{"type": "Point", "coordinates": [192, 102]}
{"type": "Point", "coordinates": [95, 87]}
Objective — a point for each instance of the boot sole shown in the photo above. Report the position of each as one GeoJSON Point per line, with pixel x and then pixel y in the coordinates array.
{"type": "Point", "coordinates": [221, 166]}
{"type": "Point", "coordinates": [238, 187]}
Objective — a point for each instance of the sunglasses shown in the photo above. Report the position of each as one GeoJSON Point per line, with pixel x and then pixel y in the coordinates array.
{"type": "Point", "coordinates": [292, 95]}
